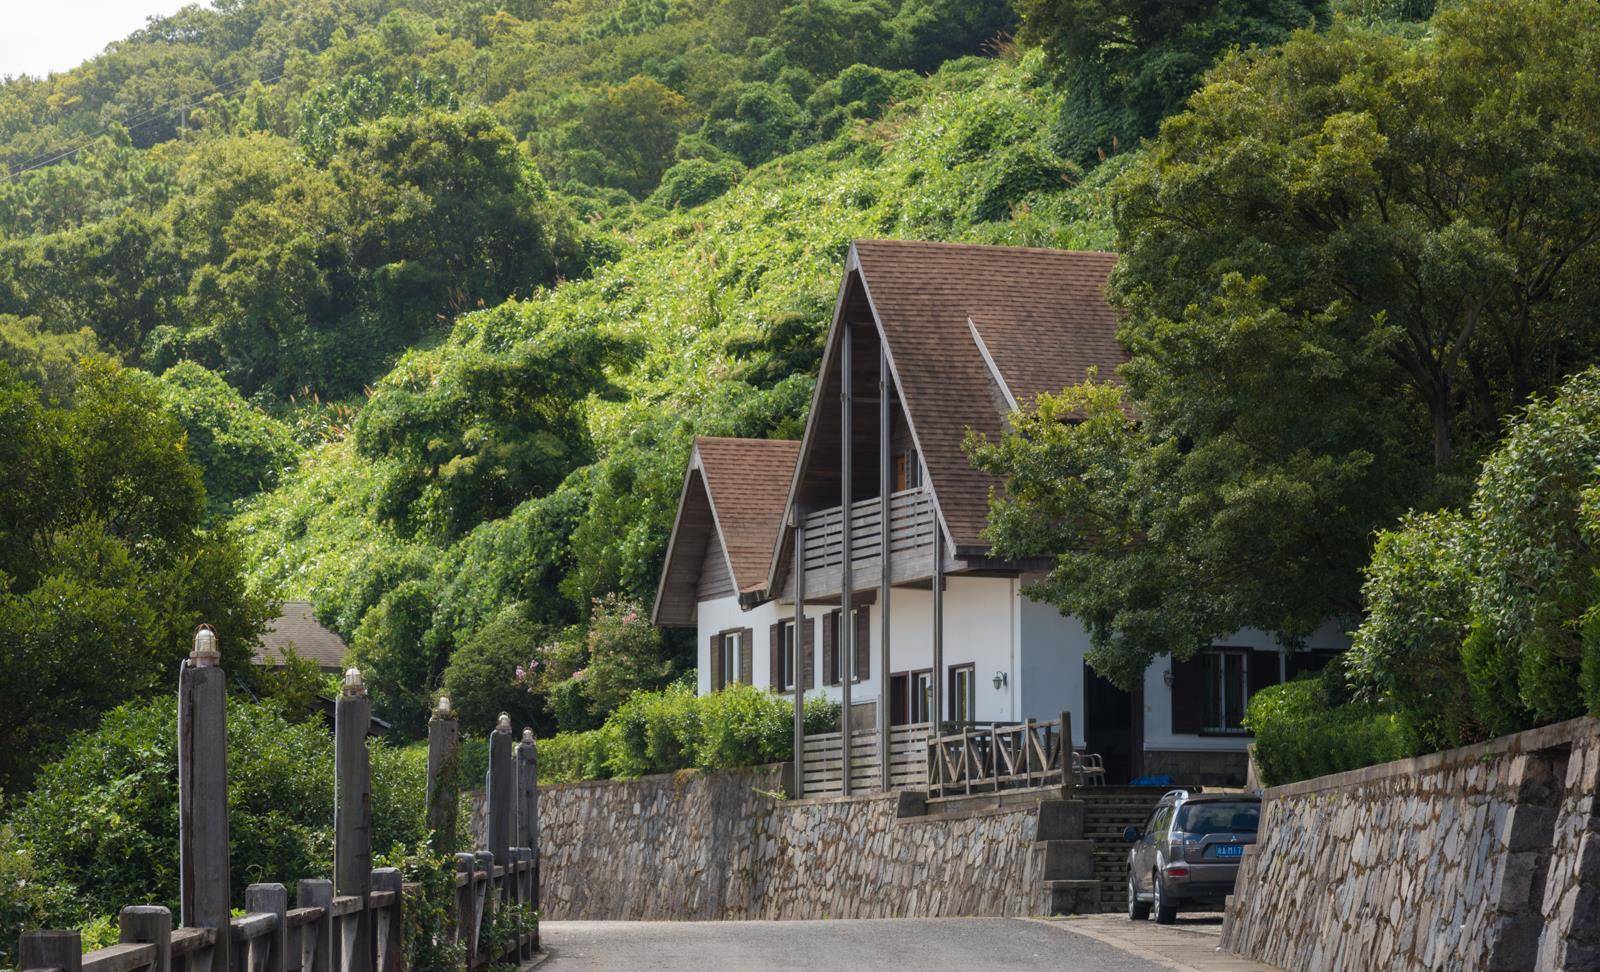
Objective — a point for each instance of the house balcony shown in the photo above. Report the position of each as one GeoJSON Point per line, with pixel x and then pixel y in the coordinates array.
{"type": "Point", "coordinates": [912, 520]}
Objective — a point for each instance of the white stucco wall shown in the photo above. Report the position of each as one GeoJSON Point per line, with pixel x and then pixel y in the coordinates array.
{"type": "Point", "coordinates": [989, 623]}
{"type": "Point", "coordinates": [721, 614]}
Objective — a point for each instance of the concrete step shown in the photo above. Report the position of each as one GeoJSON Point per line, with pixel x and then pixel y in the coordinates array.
{"type": "Point", "coordinates": [1074, 897]}
{"type": "Point", "coordinates": [1069, 860]}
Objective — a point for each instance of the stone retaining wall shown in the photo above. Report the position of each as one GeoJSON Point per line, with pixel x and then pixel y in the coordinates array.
{"type": "Point", "coordinates": [1484, 857]}
{"type": "Point", "coordinates": [705, 846]}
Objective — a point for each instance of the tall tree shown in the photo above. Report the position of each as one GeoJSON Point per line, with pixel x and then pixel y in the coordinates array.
{"type": "Point", "coordinates": [1126, 64]}
{"type": "Point", "coordinates": [1342, 267]}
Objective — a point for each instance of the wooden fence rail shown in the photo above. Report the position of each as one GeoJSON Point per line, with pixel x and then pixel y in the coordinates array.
{"type": "Point", "coordinates": [822, 762]}
{"type": "Point", "coordinates": [1000, 757]}
{"type": "Point", "coordinates": [353, 922]}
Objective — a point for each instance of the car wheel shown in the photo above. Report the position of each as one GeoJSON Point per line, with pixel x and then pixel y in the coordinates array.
{"type": "Point", "coordinates": [1137, 910]}
{"type": "Point", "coordinates": [1166, 910]}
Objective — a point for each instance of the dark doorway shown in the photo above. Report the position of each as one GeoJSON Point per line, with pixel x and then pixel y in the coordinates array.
{"type": "Point", "coordinates": [1112, 727]}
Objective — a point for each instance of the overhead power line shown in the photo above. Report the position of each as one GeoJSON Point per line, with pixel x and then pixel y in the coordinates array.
{"type": "Point", "coordinates": [133, 123]}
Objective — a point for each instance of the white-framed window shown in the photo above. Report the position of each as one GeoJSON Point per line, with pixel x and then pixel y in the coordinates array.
{"type": "Point", "coordinates": [786, 656]}
{"type": "Point", "coordinates": [844, 660]}
{"type": "Point", "coordinates": [1227, 690]}
{"type": "Point", "coordinates": [728, 648]}
{"type": "Point", "coordinates": [963, 694]}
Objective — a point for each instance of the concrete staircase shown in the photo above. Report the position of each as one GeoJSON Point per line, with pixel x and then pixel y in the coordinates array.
{"type": "Point", "coordinates": [1107, 811]}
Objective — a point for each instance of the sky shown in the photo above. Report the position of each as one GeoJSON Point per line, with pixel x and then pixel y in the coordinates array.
{"type": "Point", "coordinates": [40, 36]}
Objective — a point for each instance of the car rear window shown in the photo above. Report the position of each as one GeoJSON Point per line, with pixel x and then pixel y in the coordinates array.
{"type": "Point", "coordinates": [1219, 818]}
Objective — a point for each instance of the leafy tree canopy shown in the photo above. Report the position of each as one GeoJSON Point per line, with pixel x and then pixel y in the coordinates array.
{"type": "Point", "coordinates": [1127, 64]}
{"type": "Point", "coordinates": [1341, 268]}
{"type": "Point", "coordinates": [105, 569]}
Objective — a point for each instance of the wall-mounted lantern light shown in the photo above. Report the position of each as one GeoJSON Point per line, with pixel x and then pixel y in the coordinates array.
{"type": "Point", "coordinates": [1000, 681]}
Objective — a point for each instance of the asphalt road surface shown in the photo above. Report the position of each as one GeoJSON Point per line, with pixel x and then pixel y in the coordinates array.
{"type": "Point", "coordinates": [832, 946]}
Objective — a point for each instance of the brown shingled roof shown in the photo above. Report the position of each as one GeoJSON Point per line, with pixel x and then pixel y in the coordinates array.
{"type": "Point", "coordinates": [1041, 314]}
{"type": "Point", "coordinates": [296, 625]}
{"type": "Point", "coordinates": [748, 480]}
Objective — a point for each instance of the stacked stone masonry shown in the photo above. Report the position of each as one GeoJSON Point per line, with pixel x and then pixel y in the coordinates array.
{"type": "Point", "coordinates": [707, 846]}
{"type": "Point", "coordinates": [1484, 857]}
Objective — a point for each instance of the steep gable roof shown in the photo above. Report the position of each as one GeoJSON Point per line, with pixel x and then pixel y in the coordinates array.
{"type": "Point", "coordinates": [296, 626]}
{"type": "Point", "coordinates": [735, 492]}
{"type": "Point", "coordinates": [1041, 317]}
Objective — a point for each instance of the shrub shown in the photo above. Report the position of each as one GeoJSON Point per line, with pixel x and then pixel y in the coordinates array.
{"type": "Point", "coordinates": [744, 726]}
{"type": "Point", "coordinates": [695, 181]}
{"type": "Point", "coordinates": [1301, 732]}
{"type": "Point", "coordinates": [102, 820]}
{"type": "Point", "coordinates": [483, 679]}
{"type": "Point", "coordinates": [27, 899]}
{"type": "Point", "coordinates": [570, 756]}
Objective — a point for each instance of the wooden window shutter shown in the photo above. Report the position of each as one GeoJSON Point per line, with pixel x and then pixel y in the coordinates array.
{"type": "Point", "coordinates": [830, 631]}
{"type": "Point", "coordinates": [863, 643]}
{"type": "Point", "coordinates": [1189, 694]}
{"type": "Point", "coordinates": [1263, 670]}
{"type": "Point", "coordinates": [747, 657]}
{"type": "Point", "coordinates": [716, 662]}
{"type": "Point", "coordinates": [807, 666]}
{"type": "Point", "coordinates": [775, 657]}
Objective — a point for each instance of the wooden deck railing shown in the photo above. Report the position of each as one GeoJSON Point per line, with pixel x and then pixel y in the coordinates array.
{"type": "Point", "coordinates": [823, 761]}
{"type": "Point", "coordinates": [353, 922]}
{"type": "Point", "coordinates": [911, 525]}
{"type": "Point", "coordinates": [1001, 757]}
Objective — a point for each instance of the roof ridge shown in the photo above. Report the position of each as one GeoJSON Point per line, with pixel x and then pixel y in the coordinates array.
{"type": "Point", "coordinates": [997, 247]}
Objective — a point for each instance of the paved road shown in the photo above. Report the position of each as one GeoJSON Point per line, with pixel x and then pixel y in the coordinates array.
{"type": "Point", "coordinates": [846, 946]}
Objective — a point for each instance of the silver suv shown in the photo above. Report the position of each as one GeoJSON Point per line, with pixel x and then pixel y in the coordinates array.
{"type": "Point", "coordinates": [1188, 853]}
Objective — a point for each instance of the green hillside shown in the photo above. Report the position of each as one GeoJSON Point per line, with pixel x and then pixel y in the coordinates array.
{"type": "Point", "coordinates": [717, 312]}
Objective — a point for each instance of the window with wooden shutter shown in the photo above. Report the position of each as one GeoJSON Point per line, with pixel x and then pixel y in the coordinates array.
{"type": "Point", "coordinates": [1265, 670]}
{"type": "Point", "coordinates": [863, 644]}
{"type": "Point", "coordinates": [775, 657]}
{"type": "Point", "coordinates": [808, 678]}
{"type": "Point", "coordinates": [1188, 694]}
{"type": "Point", "coordinates": [830, 650]}
{"type": "Point", "coordinates": [747, 657]}
{"type": "Point", "coordinates": [716, 662]}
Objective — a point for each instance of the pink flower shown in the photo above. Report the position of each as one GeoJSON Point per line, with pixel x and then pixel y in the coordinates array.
{"type": "Point", "coordinates": [580, 674]}
{"type": "Point", "coordinates": [522, 673]}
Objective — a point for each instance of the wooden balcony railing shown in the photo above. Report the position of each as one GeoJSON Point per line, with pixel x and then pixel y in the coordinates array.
{"type": "Point", "coordinates": [1002, 757]}
{"type": "Point", "coordinates": [911, 525]}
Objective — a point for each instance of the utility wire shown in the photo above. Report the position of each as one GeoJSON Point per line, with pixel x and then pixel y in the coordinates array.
{"type": "Point", "coordinates": [133, 123]}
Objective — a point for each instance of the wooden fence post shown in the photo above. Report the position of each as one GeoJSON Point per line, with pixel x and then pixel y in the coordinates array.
{"type": "Point", "coordinates": [501, 794]}
{"type": "Point", "coordinates": [352, 811]}
{"type": "Point", "coordinates": [466, 929]}
{"type": "Point", "coordinates": [272, 899]}
{"type": "Point", "coordinates": [203, 793]}
{"type": "Point", "coordinates": [1069, 780]}
{"type": "Point", "coordinates": [316, 941]}
{"type": "Point", "coordinates": [486, 905]}
{"type": "Point", "coordinates": [443, 778]}
{"type": "Point", "coordinates": [390, 933]}
{"type": "Point", "coordinates": [51, 950]}
{"type": "Point", "coordinates": [528, 827]}
{"type": "Point", "coordinates": [528, 802]}
{"type": "Point", "coordinates": [148, 925]}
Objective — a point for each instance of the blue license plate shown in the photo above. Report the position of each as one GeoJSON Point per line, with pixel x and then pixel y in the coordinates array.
{"type": "Point", "coordinates": [1230, 850]}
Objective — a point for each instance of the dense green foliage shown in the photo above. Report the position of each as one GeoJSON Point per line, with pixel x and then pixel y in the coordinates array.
{"type": "Point", "coordinates": [1483, 622]}
{"type": "Point", "coordinates": [1125, 65]}
{"type": "Point", "coordinates": [673, 729]}
{"type": "Point", "coordinates": [717, 312]}
{"type": "Point", "coordinates": [1342, 267]}
{"type": "Point", "coordinates": [1308, 727]}
{"type": "Point", "coordinates": [103, 819]}
{"type": "Point", "coordinates": [105, 565]}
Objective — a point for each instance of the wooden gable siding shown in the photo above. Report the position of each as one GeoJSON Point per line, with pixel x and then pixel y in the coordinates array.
{"type": "Point", "coordinates": [715, 581]}
{"type": "Point", "coordinates": [680, 577]}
